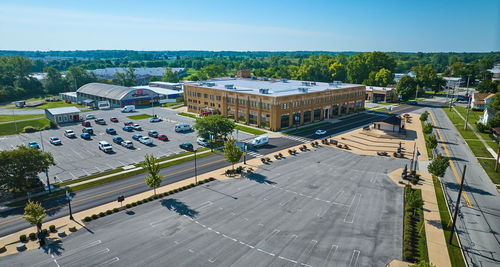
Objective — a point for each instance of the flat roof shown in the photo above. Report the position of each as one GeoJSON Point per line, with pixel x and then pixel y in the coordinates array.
{"type": "Point", "coordinates": [378, 88]}
{"type": "Point", "coordinates": [271, 87]}
{"type": "Point", "coordinates": [159, 90]}
{"type": "Point", "coordinates": [69, 94]}
{"type": "Point", "coordinates": [63, 110]}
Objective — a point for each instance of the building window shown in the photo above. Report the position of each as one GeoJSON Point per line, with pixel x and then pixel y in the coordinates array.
{"type": "Point", "coordinates": [307, 116]}
{"type": "Point", "coordinates": [317, 114]}
{"type": "Point", "coordinates": [198, 94]}
{"type": "Point", "coordinates": [285, 121]}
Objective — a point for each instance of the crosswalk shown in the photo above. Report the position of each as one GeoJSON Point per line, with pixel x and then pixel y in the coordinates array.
{"type": "Point", "coordinates": [296, 138]}
{"type": "Point", "coordinates": [255, 154]}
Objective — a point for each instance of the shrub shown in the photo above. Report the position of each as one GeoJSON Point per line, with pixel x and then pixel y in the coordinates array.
{"type": "Point", "coordinates": [52, 228]}
{"type": "Point", "coordinates": [32, 236]}
{"type": "Point", "coordinates": [129, 205]}
{"type": "Point", "coordinates": [155, 197]}
{"type": "Point", "coordinates": [116, 210]}
{"type": "Point", "coordinates": [45, 231]}
{"type": "Point", "coordinates": [29, 129]}
{"type": "Point", "coordinates": [72, 229]}
{"type": "Point", "coordinates": [427, 128]}
{"type": "Point", "coordinates": [94, 216]}
{"type": "Point", "coordinates": [264, 160]}
{"type": "Point", "coordinates": [481, 127]}
{"type": "Point", "coordinates": [172, 192]}
{"type": "Point", "coordinates": [213, 179]}
{"type": "Point", "coordinates": [102, 214]}
{"type": "Point", "coordinates": [424, 116]}
{"type": "Point", "coordinates": [46, 127]}
{"type": "Point", "coordinates": [53, 125]}
{"type": "Point", "coordinates": [176, 190]}
{"type": "Point", "coordinates": [23, 238]}
{"type": "Point", "coordinates": [139, 202]}
{"type": "Point", "coordinates": [87, 219]}
{"type": "Point", "coordinates": [150, 198]}
{"type": "Point", "coordinates": [191, 184]}
{"type": "Point", "coordinates": [109, 212]}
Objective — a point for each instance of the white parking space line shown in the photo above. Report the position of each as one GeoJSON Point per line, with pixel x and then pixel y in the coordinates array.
{"type": "Point", "coordinates": [307, 251]}
{"type": "Point", "coordinates": [108, 262]}
{"type": "Point", "coordinates": [354, 258]}
{"type": "Point", "coordinates": [355, 202]}
{"type": "Point", "coordinates": [331, 255]}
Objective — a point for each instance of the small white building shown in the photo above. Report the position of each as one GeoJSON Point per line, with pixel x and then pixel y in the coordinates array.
{"type": "Point", "coordinates": [390, 124]}
{"type": "Point", "coordinates": [481, 100]}
{"type": "Point", "coordinates": [63, 115]}
{"type": "Point", "coordinates": [488, 114]}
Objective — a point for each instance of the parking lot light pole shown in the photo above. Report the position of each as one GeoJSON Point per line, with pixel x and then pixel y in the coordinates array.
{"type": "Point", "coordinates": [69, 205]}
{"type": "Point", "coordinates": [195, 170]}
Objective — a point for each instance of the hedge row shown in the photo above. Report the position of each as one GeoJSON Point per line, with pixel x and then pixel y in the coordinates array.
{"type": "Point", "coordinates": [414, 240]}
{"type": "Point", "coordinates": [145, 200]}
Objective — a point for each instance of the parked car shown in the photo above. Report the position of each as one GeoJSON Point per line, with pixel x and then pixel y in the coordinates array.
{"type": "Point", "coordinates": [186, 146]}
{"type": "Point", "coordinates": [182, 127]}
{"type": "Point", "coordinates": [128, 129]}
{"type": "Point", "coordinates": [162, 137]}
{"type": "Point", "coordinates": [320, 132]}
{"type": "Point", "coordinates": [136, 136]}
{"type": "Point", "coordinates": [202, 141]}
{"type": "Point", "coordinates": [88, 130]}
{"type": "Point", "coordinates": [105, 146]}
{"type": "Point", "coordinates": [117, 139]}
{"type": "Point", "coordinates": [146, 140]}
{"type": "Point", "coordinates": [113, 119]}
{"type": "Point", "coordinates": [85, 136]}
{"type": "Point", "coordinates": [127, 144]}
{"type": "Point", "coordinates": [137, 127]}
{"type": "Point", "coordinates": [100, 121]}
{"type": "Point", "coordinates": [86, 123]}
{"type": "Point", "coordinates": [154, 119]}
{"type": "Point", "coordinates": [69, 133]}
{"type": "Point", "coordinates": [89, 117]}
{"type": "Point", "coordinates": [153, 133]}
{"type": "Point", "coordinates": [33, 144]}
{"type": "Point", "coordinates": [110, 131]}
{"type": "Point", "coordinates": [55, 141]}
{"type": "Point", "coordinates": [128, 123]}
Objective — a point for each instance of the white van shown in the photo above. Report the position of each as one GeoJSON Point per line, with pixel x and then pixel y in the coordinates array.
{"type": "Point", "coordinates": [182, 127]}
{"type": "Point", "coordinates": [260, 141]}
{"type": "Point", "coordinates": [103, 105]}
{"type": "Point", "coordinates": [130, 108]}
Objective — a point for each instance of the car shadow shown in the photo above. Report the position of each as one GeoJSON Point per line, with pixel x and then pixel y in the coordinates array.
{"type": "Point", "coordinates": [180, 207]}
{"type": "Point", "coordinates": [259, 178]}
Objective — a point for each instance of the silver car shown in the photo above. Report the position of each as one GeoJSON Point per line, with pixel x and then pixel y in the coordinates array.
{"type": "Point", "coordinates": [127, 144]}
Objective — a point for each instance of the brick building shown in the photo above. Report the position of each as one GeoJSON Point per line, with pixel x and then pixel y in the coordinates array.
{"type": "Point", "coordinates": [276, 104]}
{"type": "Point", "coordinates": [380, 94]}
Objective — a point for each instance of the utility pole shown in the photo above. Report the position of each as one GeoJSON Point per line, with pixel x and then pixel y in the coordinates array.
{"type": "Point", "coordinates": [468, 104]}
{"type": "Point", "coordinates": [412, 156]}
{"type": "Point", "coordinates": [498, 157]}
{"type": "Point", "coordinates": [195, 171]}
{"type": "Point", "coordinates": [69, 205]}
{"type": "Point", "coordinates": [15, 123]}
{"type": "Point", "coordinates": [456, 206]}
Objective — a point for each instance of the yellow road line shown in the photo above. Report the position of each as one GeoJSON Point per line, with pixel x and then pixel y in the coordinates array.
{"type": "Point", "coordinates": [112, 191]}
{"type": "Point", "coordinates": [451, 162]}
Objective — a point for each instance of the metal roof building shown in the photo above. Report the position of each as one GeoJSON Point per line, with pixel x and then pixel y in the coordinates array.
{"type": "Point", "coordinates": [118, 96]}
{"type": "Point", "coordinates": [63, 115]}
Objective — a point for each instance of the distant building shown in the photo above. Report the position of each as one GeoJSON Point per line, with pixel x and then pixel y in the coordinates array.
{"type": "Point", "coordinates": [68, 96]}
{"type": "Point", "coordinates": [380, 94]}
{"type": "Point", "coordinates": [142, 74]}
{"type": "Point", "coordinates": [495, 72]}
{"type": "Point", "coordinates": [63, 115]}
{"type": "Point", "coordinates": [163, 93]}
{"type": "Point", "coordinates": [398, 76]}
{"type": "Point", "coordinates": [452, 82]}
{"type": "Point", "coordinates": [243, 73]}
{"type": "Point", "coordinates": [273, 103]}
{"type": "Point", "coordinates": [390, 124]}
{"type": "Point", "coordinates": [166, 85]}
{"type": "Point", "coordinates": [481, 100]}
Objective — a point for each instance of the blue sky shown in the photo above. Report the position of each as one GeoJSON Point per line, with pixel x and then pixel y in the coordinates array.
{"type": "Point", "coordinates": [427, 26]}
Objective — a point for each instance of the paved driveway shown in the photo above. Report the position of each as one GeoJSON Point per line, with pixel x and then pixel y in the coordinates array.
{"type": "Point", "coordinates": [319, 208]}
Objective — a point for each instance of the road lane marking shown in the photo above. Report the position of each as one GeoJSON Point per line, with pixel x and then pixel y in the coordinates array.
{"type": "Point", "coordinates": [449, 159]}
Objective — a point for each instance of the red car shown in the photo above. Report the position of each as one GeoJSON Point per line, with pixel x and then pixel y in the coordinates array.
{"type": "Point", "coordinates": [86, 123]}
{"type": "Point", "coordinates": [162, 137]}
{"type": "Point", "coordinates": [127, 123]}
{"type": "Point", "coordinates": [113, 119]}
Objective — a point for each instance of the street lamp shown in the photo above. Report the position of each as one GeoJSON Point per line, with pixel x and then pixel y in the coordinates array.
{"type": "Point", "coordinates": [46, 172]}
{"type": "Point", "coordinates": [69, 205]}
{"type": "Point", "coordinates": [190, 148]}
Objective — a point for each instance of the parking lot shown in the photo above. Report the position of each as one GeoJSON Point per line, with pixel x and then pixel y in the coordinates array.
{"type": "Point", "coordinates": [339, 210]}
{"type": "Point", "coordinates": [78, 157]}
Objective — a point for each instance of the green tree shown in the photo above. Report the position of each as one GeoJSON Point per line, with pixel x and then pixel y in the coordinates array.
{"type": "Point", "coordinates": [432, 141]}
{"type": "Point", "coordinates": [427, 128]}
{"type": "Point", "coordinates": [232, 153]}
{"type": "Point", "coordinates": [488, 86]}
{"type": "Point", "coordinates": [170, 76]}
{"type": "Point", "coordinates": [339, 72]}
{"type": "Point", "coordinates": [406, 87]}
{"type": "Point", "coordinates": [53, 82]}
{"type": "Point", "coordinates": [126, 78]}
{"type": "Point", "coordinates": [426, 77]}
{"type": "Point", "coordinates": [423, 264]}
{"type": "Point", "coordinates": [77, 76]}
{"type": "Point", "coordinates": [152, 165]}
{"type": "Point", "coordinates": [438, 165]}
{"type": "Point", "coordinates": [19, 166]}
{"type": "Point", "coordinates": [215, 125]}
{"type": "Point", "coordinates": [357, 70]}
{"type": "Point", "coordinates": [34, 213]}
{"type": "Point", "coordinates": [376, 61]}
{"type": "Point", "coordinates": [384, 77]}
{"type": "Point", "coordinates": [414, 200]}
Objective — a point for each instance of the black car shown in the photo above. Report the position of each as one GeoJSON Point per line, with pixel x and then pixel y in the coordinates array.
{"type": "Point", "coordinates": [186, 146]}
{"type": "Point", "coordinates": [153, 133]}
{"type": "Point", "coordinates": [118, 139]}
{"type": "Point", "coordinates": [110, 131]}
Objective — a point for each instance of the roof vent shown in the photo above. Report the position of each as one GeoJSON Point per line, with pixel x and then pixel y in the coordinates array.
{"type": "Point", "coordinates": [264, 91]}
{"type": "Point", "coordinates": [306, 83]}
{"type": "Point", "coordinates": [303, 90]}
{"type": "Point", "coordinates": [313, 83]}
{"type": "Point", "coordinates": [229, 86]}
{"type": "Point", "coordinates": [265, 78]}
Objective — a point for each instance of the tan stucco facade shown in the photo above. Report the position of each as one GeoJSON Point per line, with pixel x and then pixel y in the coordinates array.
{"type": "Point", "coordinates": [275, 112]}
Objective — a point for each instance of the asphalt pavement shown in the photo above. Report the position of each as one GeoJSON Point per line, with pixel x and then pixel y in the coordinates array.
{"type": "Point", "coordinates": [339, 209]}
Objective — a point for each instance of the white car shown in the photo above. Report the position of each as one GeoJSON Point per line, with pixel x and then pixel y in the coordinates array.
{"type": "Point", "coordinates": [202, 141]}
{"type": "Point", "coordinates": [137, 127]}
{"type": "Point", "coordinates": [89, 117]}
{"type": "Point", "coordinates": [146, 140]}
{"type": "Point", "coordinates": [127, 144]}
{"type": "Point", "coordinates": [320, 132]}
{"type": "Point", "coordinates": [55, 141]}
{"type": "Point", "coordinates": [69, 134]}
{"type": "Point", "coordinates": [105, 146]}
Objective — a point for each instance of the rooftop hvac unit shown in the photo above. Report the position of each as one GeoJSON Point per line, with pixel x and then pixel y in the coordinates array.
{"type": "Point", "coordinates": [313, 83]}
{"type": "Point", "coordinates": [284, 80]}
{"type": "Point", "coordinates": [210, 84]}
{"type": "Point", "coordinates": [306, 83]}
{"type": "Point", "coordinates": [229, 86]}
{"type": "Point", "coordinates": [264, 91]}
{"type": "Point", "coordinates": [265, 78]}
{"type": "Point", "coordinates": [303, 90]}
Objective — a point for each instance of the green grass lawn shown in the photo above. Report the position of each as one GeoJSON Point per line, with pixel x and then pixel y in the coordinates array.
{"type": "Point", "coordinates": [249, 130]}
{"type": "Point", "coordinates": [489, 167]}
{"type": "Point", "coordinates": [474, 116]}
{"type": "Point", "coordinates": [55, 104]}
{"type": "Point", "coordinates": [139, 116]}
{"type": "Point", "coordinates": [459, 124]}
{"type": "Point", "coordinates": [478, 149]}
{"type": "Point", "coordinates": [6, 118]}
{"type": "Point", "coordinates": [454, 251]}
{"type": "Point", "coordinates": [187, 115]}
{"type": "Point", "coordinates": [173, 104]}
{"type": "Point", "coordinates": [10, 128]}
{"type": "Point", "coordinates": [177, 107]}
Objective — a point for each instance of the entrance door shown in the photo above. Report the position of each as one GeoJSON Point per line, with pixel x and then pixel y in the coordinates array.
{"type": "Point", "coordinates": [326, 113]}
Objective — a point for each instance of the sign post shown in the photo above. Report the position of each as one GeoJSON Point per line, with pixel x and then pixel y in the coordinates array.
{"type": "Point", "coordinates": [121, 199]}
